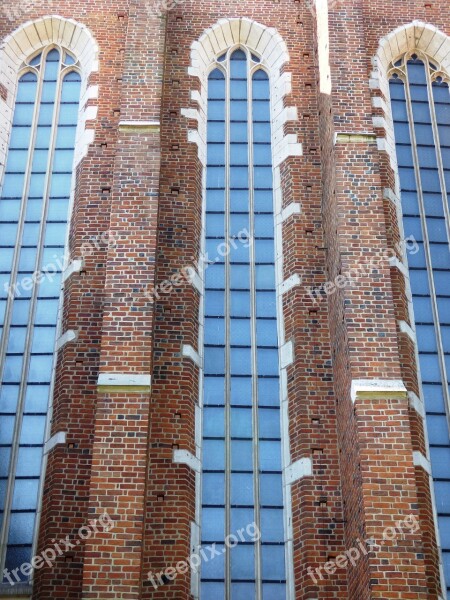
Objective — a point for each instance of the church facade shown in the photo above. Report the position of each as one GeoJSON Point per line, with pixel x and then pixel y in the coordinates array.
{"type": "Point", "coordinates": [225, 300]}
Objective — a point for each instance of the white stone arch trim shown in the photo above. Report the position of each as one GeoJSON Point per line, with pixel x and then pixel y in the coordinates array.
{"type": "Point", "coordinates": [416, 36]}
{"type": "Point", "coordinates": [27, 40]}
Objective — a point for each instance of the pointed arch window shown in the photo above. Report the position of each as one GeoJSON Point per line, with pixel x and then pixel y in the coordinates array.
{"type": "Point", "coordinates": [241, 446]}
{"type": "Point", "coordinates": [420, 100]}
{"type": "Point", "coordinates": [34, 210]}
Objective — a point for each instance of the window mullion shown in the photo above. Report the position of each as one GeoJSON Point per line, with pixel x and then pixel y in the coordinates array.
{"type": "Point", "coordinates": [252, 270]}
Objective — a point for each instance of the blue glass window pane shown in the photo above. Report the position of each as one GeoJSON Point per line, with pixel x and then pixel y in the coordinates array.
{"type": "Point", "coordinates": [269, 423]}
{"type": "Point", "coordinates": [242, 489]}
{"type": "Point", "coordinates": [216, 110]}
{"type": "Point", "coordinates": [272, 526]}
{"type": "Point", "coordinates": [215, 361]}
{"type": "Point", "coordinates": [427, 156]}
{"type": "Point", "coordinates": [238, 90]}
{"type": "Point", "coordinates": [444, 310]}
{"type": "Point", "coordinates": [240, 359]}
{"type": "Point", "coordinates": [238, 132]}
{"type": "Point", "coordinates": [9, 396]}
{"type": "Point", "coordinates": [213, 455]}
{"type": "Point", "coordinates": [65, 137]}
{"type": "Point", "coordinates": [16, 556]}
{"type": "Point", "coordinates": [239, 156]}
{"type": "Point", "coordinates": [40, 369]}
{"type": "Point", "coordinates": [4, 461]}
{"type": "Point", "coordinates": [429, 367]}
{"type": "Point", "coordinates": [213, 489]}
{"type": "Point", "coordinates": [213, 390]}
{"type": "Point", "coordinates": [421, 110]}
{"type": "Point", "coordinates": [419, 282]}
{"type": "Point", "coordinates": [437, 429]}
{"type": "Point", "coordinates": [442, 496]}
{"type": "Point", "coordinates": [434, 398]}
{"type": "Point", "coordinates": [399, 110]}
{"type": "Point", "coordinates": [8, 234]}
{"type": "Point", "coordinates": [240, 332]}
{"type": "Point", "coordinates": [46, 112]}
{"type": "Point", "coordinates": [43, 339]}
{"type": "Point", "coordinates": [213, 524]}
{"type": "Point", "coordinates": [238, 110]}
{"type": "Point", "coordinates": [212, 590]}
{"type": "Point", "coordinates": [60, 185]}
{"type": "Point", "coordinates": [214, 568]}
{"type": "Point", "coordinates": [21, 528]}
{"type": "Point", "coordinates": [263, 201]}
{"type": "Point", "coordinates": [437, 231]}
{"type": "Point", "coordinates": [430, 180]}
{"type": "Point", "coordinates": [6, 429]}
{"type": "Point", "coordinates": [263, 177]}
{"type": "Point", "coordinates": [264, 251]}
{"type": "Point", "coordinates": [239, 251]}
{"type": "Point", "coordinates": [215, 276]}
{"type": "Point", "coordinates": [261, 132]}
{"type": "Point", "coordinates": [262, 155]}
{"type": "Point", "coordinates": [440, 257]}
{"type": "Point", "coordinates": [273, 591]}
{"type": "Point", "coordinates": [63, 161]}
{"type": "Point", "coordinates": [270, 490]}
{"type": "Point", "coordinates": [70, 91]}
{"type": "Point", "coordinates": [29, 462]}
{"type": "Point", "coordinates": [441, 283]}
{"type": "Point", "coordinates": [270, 456]}
{"type": "Point", "coordinates": [216, 85]}
{"type": "Point", "coordinates": [423, 312]}
{"type": "Point", "coordinates": [36, 398]}
{"type": "Point", "coordinates": [37, 183]}
{"type": "Point", "coordinates": [426, 338]}
{"type": "Point", "coordinates": [23, 114]}
{"type": "Point", "coordinates": [444, 530]}
{"type": "Point", "coordinates": [68, 114]}
{"type": "Point", "coordinates": [242, 591]}
{"type": "Point", "coordinates": [241, 422]}
{"type": "Point", "coordinates": [215, 200]}
{"type": "Point", "coordinates": [440, 462]}
{"type": "Point", "coordinates": [239, 200]}
{"type": "Point", "coordinates": [268, 391]}
{"type": "Point", "coordinates": [30, 234]}
{"type": "Point", "coordinates": [50, 286]}
{"type": "Point", "coordinates": [213, 422]}
{"type": "Point", "coordinates": [9, 210]}
{"type": "Point", "coordinates": [265, 304]}
{"type": "Point", "coordinates": [404, 156]}
{"type": "Point", "coordinates": [216, 155]}
{"type": "Point", "coordinates": [214, 331]}
{"type": "Point", "coordinates": [239, 226]}
{"type": "Point", "coordinates": [20, 137]}
{"type": "Point", "coordinates": [265, 277]}
{"type": "Point", "coordinates": [273, 562]}
{"type": "Point", "coordinates": [264, 226]}
{"type": "Point", "coordinates": [17, 161]}
{"type": "Point", "coordinates": [34, 209]}
{"type": "Point", "coordinates": [241, 391]}
{"type": "Point", "coordinates": [216, 132]}
{"type": "Point", "coordinates": [215, 225]}
{"type": "Point", "coordinates": [240, 277]}
{"type": "Point", "coordinates": [214, 303]}
{"type": "Point", "coordinates": [46, 312]}
{"type": "Point", "coordinates": [239, 177]}
{"type": "Point", "coordinates": [27, 259]}
{"type": "Point", "coordinates": [261, 111]}
{"type": "Point", "coordinates": [243, 562]}
{"type": "Point", "coordinates": [240, 304]}
{"type": "Point", "coordinates": [20, 312]}
{"type": "Point", "coordinates": [12, 186]}
{"type": "Point", "coordinates": [241, 455]}
{"type": "Point", "coordinates": [16, 341]}
{"type": "Point", "coordinates": [25, 494]}
{"type": "Point", "coordinates": [241, 518]}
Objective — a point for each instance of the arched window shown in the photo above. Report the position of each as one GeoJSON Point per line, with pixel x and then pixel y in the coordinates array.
{"type": "Point", "coordinates": [420, 102]}
{"type": "Point", "coordinates": [242, 490]}
{"type": "Point", "coordinates": [34, 211]}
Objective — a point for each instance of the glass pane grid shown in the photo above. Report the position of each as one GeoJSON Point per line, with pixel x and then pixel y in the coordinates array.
{"type": "Point", "coordinates": [39, 236]}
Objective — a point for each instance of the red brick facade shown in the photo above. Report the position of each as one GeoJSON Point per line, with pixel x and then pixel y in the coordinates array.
{"type": "Point", "coordinates": [141, 181]}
